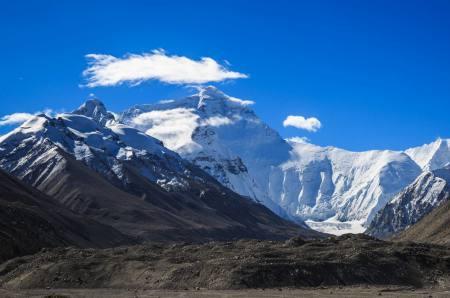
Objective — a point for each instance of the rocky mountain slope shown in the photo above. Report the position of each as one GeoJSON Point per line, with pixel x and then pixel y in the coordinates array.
{"type": "Point", "coordinates": [335, 190]}
{"type": "Point", "coordinates": [126, 179]}
{"type": "Point", "coordinates": [30, 220]}
{"type": "Point", "coordinates": [428, 191]}
{"type": "Point", "coordinates": [433, 228]}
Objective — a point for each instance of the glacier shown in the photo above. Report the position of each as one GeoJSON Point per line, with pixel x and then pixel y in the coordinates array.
{"type": "Point", "coordinates": [332, 189]}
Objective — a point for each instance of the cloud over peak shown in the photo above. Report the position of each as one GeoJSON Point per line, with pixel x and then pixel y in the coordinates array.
{"type": "Point", "coordinates": [107, 70]}
{"type": "Point", "coordinates": [311, 124]}
{"type": "Point", "coordinates": [16, 118]}
{"type": "Point", "coordinates": [19, 118]}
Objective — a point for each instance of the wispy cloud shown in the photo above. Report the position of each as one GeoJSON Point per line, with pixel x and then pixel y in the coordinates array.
{"type": "Point", "coordinates": [310, 124]}
{"type": "Point", "coordinates": [14, 119]}
{"type": "Point", "coordinates": [216, 121]}
{"type": "Point", "coordinates": [301, 140]}
{"type": "Point", "coordinates": [107, 70]}
{"type": "Point", "coordinates": [174, 127]}
{"type": "Point", "coordinates": [19, 118]}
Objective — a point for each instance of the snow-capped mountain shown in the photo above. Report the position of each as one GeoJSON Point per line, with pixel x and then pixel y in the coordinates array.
{"type": "Point", "coordinates": [335, 190]}
{"type": "Point", "coordinates": [95, 110]}
{"type": "Point", "coordinates": [220, 134]}
{"type": "Point", "coordinates": [121, 177]}
{"type": "Point", "coordinates": [339, 190]}
{"type": "Point", "coordinates": [429, 190]}
{"type": "Point", "coordinates": [431, 156]}
{"type": "Point", "coordinates": [102, 149]}
{"type": "Point", "coordinates": [332, 189]}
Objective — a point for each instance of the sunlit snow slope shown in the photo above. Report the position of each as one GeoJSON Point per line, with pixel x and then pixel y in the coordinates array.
{"type": "Point", "coordinates": [334, 190]}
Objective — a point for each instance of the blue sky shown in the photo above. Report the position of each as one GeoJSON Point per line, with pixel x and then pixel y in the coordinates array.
{"type": "Point", "coordinates": [376, 73]}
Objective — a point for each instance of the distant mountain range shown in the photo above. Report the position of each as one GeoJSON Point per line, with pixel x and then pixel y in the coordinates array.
{"type": "Point", "coordinates": [334, 190]}
{"type": "Point", "coordinates": [206, 167]}
{"type": "Point", "coordinates": [122, 178]}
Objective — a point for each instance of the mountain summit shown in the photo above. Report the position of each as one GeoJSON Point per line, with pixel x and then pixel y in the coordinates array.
{"type": "Point", "coordinates": [126, 179]}
{"type": "Point", "coordinates": [333, 189]}
{"type": "Point", "coordinates": [96, 110]}
{"type": "Point", "coordinates": [329, 189]}
{"type": "Point", "coordinates": [431, 156]}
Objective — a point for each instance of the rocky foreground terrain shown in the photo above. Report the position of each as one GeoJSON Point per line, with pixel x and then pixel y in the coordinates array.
{"type": "Point", "coordinates": [349, 260]}
{"type": "Point", "coordinates": [323, 292]}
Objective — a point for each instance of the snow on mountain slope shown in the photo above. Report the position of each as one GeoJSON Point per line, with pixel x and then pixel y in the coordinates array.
{"type": "Point", "coordinates": [96, 110]}
{"type": "Point", "coordinates": [223, 136]}
{"type": "Point", "coordinates": [126, 179]}
{"type": "Point", "coordinates": [220, 134]}
{"type": "Point", "coordinates": [327, 185]}
{"type": "Point", "coordinates": [431, 156]}
{"type": "Point", "coordinates": [99, 147]}
{"type": "Point", "coordinates": [428, 191]}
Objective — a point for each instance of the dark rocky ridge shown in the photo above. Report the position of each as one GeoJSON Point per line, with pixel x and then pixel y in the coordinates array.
{"type": "Point", "coordinates": [346, 260]}
{"type": "Point", "coordinates": [433, 228]}
{"type": "Point", "coordinates": [30, 220]}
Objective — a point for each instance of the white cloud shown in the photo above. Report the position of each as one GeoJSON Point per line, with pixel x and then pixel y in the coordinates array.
{"type": "Point", "coordinates": [173, 127]}
{"type": "Point", "coordinates": [217, 121]}
{"type": "Point", "coordinates": [14, 119]}
{"type": "Point", "coordinates": [310, 124]}
{"type": "Point", "coordinates": [301, 140]}
{"type": "Point", "coordinates": [241, 101]}
{"type": "Point", "coordinates": [107, 70]}
{"type": "Point", "coordinates": [166, 101]}
{"type": "Point", "coordinates": [19, 118]}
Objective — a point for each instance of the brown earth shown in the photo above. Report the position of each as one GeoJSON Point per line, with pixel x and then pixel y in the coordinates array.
{"type": "Point", "coordinates": [326, 292]}
{"type": "Point", "coordinates": [348, 260]}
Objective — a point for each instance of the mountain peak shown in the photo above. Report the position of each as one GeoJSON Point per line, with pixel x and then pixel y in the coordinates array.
{"type": "Point", "coordinates": [95, 109]}
{"type": "Point", "coordinates": [211, 99]}
{"type": "Point", "coordinates": [431, 156]}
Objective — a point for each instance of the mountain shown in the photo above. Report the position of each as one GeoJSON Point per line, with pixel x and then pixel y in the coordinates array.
{"type": "Point", "coordinates": [428, 191]}
{"type": "Point", "coordinates": [31, 220]}
{"type": "Point", "coordinates": [431, 156]}
{"type": "Point", "coordinates": [221, 135]}
{"type": "Point", "coordinates": [128, 180]}
{"type": "Point", "coordinates": [339, 190]}
{"type": "Point", "coordinates": [334, 190]}
{"type": "Point", "coordinates": [96, 110]}
{"type": "Point", "coordinates": [433, 228]}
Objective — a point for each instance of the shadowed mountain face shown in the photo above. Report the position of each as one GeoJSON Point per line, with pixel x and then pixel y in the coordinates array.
{"type": "Point", "coordinates": [125, 179]}
{"type": "Point", "coordinates": [433, 228]}
{"type": "Point", "coordinates": [30, 220]}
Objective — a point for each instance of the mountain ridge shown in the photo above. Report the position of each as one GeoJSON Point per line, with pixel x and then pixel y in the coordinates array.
{"type": "Point", "coordinates": [332, 189]}
{"type": "Point", "coordinates": [220, 130]}
{"type": "Point", "coordinates": [430, 190]}
{"type": "Point", "coordinates": [128, 180]}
